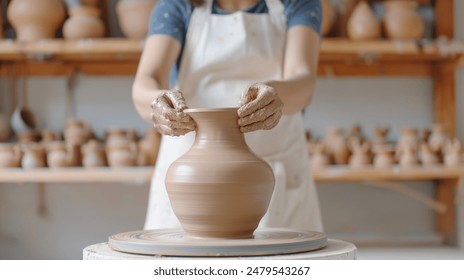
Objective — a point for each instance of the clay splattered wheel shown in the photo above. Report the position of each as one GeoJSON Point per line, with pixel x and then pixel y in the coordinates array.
{"type": "Point", "coordinates": [174, 242]}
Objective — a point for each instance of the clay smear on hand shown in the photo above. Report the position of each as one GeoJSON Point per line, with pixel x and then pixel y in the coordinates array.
{"type": "Point", "coordinates": [260, 108]}
{"type": "Point", "coordinates": [168, 115]}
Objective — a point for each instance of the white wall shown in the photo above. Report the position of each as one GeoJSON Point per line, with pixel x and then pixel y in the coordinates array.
{"type": "Point", "coordinates": [82, 214]}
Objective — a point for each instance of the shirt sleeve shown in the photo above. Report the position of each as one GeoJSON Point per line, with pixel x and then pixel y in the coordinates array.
{"type": "Point", "coordinates": [304, 12]}
{"type": "Point", "coordinates": [170, 17]}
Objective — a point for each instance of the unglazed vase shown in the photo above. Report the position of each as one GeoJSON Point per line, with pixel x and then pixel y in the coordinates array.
{"type": "Point", "coordinates": [438, 138]}
{"type": "Point", "coordinates": [83, 23]}
{"type": "Point", "coordinates": [402, 21]}
{"type": "Point", "coordinates": [93, 154]}
{"type": "Point", "coordinates": [134, 16]}
{"type": "Point", "coordinates": [34, 156]}
{"type": "Point", "coordinates": [76, 132]}
{"type": "Point", "coordinates": [34, 20]}
{"type": "Point", "coordinates": [337, 146]}
{"type": "Point", "coordinates": [363, 25]}
{"type": "Point", "coordinates": [219, 188]}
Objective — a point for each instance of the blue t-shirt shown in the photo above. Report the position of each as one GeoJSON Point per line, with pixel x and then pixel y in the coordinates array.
{"type": "Point", "coordinates": [172, 18]}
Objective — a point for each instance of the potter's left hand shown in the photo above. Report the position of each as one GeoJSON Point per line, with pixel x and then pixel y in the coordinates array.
{"type": "Point", "coordinates": [260, 108]}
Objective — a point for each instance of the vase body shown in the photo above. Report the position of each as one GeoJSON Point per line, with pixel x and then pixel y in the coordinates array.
{"type": "Point", "coordinates": [34, 156]}
{"type": "Point", "coordinates": [83, 23]}
{"type": "Point", "coordinates": [93, 154]}
{"type": "Point", "coordinates": [363, 25]}
{"type": "Point", "coordinates": [219, 188]}
{"type": "Point", "coordinates": [402, 21]}
{"type": "Point", "coordinates": [337, 146]}
{"type": "Point", "coordinates": [34, 20]}
{"type": "Point", "coordinates": [133, 17]}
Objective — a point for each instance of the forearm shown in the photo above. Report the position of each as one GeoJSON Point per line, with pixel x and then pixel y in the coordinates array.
{"type": "Point", "coordinates": [144, 91]}
{"type": "Point", "coordinates": [296, 92]}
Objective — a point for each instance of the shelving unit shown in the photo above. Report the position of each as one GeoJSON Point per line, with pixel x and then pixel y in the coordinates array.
{"type": "Point", "coordinates": [339, 57]}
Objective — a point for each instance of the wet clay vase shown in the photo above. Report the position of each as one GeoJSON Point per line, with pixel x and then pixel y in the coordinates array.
{"type": "Point", "coordinates": [148, 148]}
{"type": "Point", "coordinates": [34, 156]}
{"type": "Point", "coordinates": [10, 155]}
{"type": "Point", "coordinates": [219, 188]}
{"type": "Point", "coordinates": [83, 23]}
{"type": "Point", "coordinates": [93, 154]}
{"type": "Point", "coordinates": [34, 20]}
{"type": "Point", "coordinates": [402, 21]}
{"type": "Point", "coordinates": [134, 16]}
{"type": "Point", "coordinates": [363, 25]}
{"type": "Point", "coordinates": [327, 16]}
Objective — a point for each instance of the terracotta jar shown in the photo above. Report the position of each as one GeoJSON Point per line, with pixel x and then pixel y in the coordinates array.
{"type": "Point", "coordinates": [318, 158]}
{"type": "Point", "coordinates": [438, 138]}
{"type": "Point", "coordinates": [10, 155]}
{"type": "Point", "coordinates": [337, 147]}
{"type": "Point", "coordinates": [384, 158]}
{"type": "Point", "coordinates": [76, 132]}
{"type": "Point", "coordinates": [363, 25]}
{"type": "Point", "coordinates": [93, 154]}
{"type": "Point", "coordinates": [34, 20]}
{"type": "Point", "coordinates": [327, 16]}
{"type": "Point", "coordinates": [148, 148]}
{"type": "Point", "coordinates": [453, 153]}
{"type": "Point", "coordinates": [134, 17]}
{"type": "Point", "coordinates": [426, 156]}
{"type": "Point", "coordinates": [116, 135]}
{"type": "Point", "coordinates": [49, 136]}
{"type": "Point", "coordinates": [34, 156]}
{"type": "Point", "coordinates": [58, 155]}
{"type": "Point", "coordinates": [121, 153]}
{"type": "Point", "coordinates": [219, 188]}
{"type": "Point", "coordinates": [408, 158]}
{"type": "Point", "coordinates": [360, 154]}
{"type": "Point", "coordinates": [83, 23]}
{"type": "Point", "coordinates": [402, 21]}
{"type": "Point", "coordinates": [408, 140]}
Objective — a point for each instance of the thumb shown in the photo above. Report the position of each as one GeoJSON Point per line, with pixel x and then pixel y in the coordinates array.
{"type": "Point", "coordinates": [177, 99]}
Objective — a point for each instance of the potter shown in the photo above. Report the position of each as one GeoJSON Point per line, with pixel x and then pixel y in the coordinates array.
{"type": "Point", "coordinates": [259, 55]}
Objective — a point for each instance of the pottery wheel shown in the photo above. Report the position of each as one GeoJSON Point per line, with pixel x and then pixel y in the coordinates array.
{"type": "Point", "coordinates": [174, 242]}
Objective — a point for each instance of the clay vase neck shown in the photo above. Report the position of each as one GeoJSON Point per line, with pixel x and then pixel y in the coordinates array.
{"type": "Point", "coordinates": [35, 19]}
{"type": "Point", "coordinates": [219, 188]}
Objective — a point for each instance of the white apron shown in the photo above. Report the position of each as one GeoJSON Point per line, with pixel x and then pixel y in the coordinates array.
{"type": "Point", "coordinates": [222, 55]}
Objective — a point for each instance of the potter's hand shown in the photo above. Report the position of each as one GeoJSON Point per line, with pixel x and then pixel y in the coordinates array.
{"type": "Point", "coordinates": [260, 108]}
{"type": "Point", "coordinates": [168, 116]}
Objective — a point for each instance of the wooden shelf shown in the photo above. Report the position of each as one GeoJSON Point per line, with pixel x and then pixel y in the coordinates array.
{"type": "Point", "coordinates": [114, 56]}
{"type": "Point", "coordinates": [77, 175]}
{"type": "Point", "coordinates": [347, 174]}
{"type": "Point", "coordinates": [144, 174]}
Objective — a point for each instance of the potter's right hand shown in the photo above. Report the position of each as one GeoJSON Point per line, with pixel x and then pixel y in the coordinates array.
{"type": "Point", "coordinates": [167, 113]}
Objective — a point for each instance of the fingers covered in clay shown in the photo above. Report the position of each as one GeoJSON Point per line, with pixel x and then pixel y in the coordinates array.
{"type": "Point", "coordinates": [168, 116]}
{"type": "Point", "coordinates": [260, 108]}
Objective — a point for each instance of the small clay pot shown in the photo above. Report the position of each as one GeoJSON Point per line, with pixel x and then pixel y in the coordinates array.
{"type": "Point", "coordinates": [426, 156]}
{"type": "Point", "coordinates": [318, 158]}
{"type": "Point", "coordinates": [453, 153]}
{"type": "Point", "coordinates": [58, 155]}
{"type": "Point", "coordinates": [48, 136]}
{"type": "Point", "coordinates": [10, 155]}
{"type": "Point", "coordinates": [438, 137]}
{"type": "Point", "coordinates": [27, 137]}
{"type": "Point", "coordinates": [76, 132]}
{"type": "Point", "coordinates": [121, 153]}
{"type": "Point", "coordinates": [134, 16]}
{"type": "Point", "coordinates": [384, 157]}
{"type": "Point", "coordinates": [363, 25]}
{"type": "Point", "coordinates": [402, 21]}
{"type": "Point", "coordinates": [83, 23]}
{"type": "Point", "coordinates": [93, 154]}
{"type": "Point", "coordinates": [34, 20]}
{"type": "Point", "coordinates": [34, 156]}
{"type": "Point", "coordinates": [408, 158]}
{"type": "Point", "coordinates": [337, 147]}
{"type": "Point", "coordinates": [360, 154]}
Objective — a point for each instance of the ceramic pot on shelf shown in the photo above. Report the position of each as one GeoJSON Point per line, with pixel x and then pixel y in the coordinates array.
{"type": "Point", "coordinates": [384, 157]}
{"type": "Point", "coordinates": [363, 24]}
{"type": "Point", "coordinates": [318, 158]}
{"type": "Point", "coordinates": [402, 21]}
{"type": "Point", "coordinates": [219, 188]}
{"type": "Point", "coordinates": [327, 16]}
{"type": "Point", "coordinates": [134, 16]}
{"type": "Point", "coordinates": [76, 132]}
{"type": "Point", "coordinates": [453, 153]}
{"type": "Point", "coordinates": [34, 20]}
{"type": "Point", "coordinates": [337, 147]}
{"type": "Point", "coordinates": [34, 156]}
{"type": "Point", "coordinates": [10, 155]}
{"type": "Point", "coordinates": [93, 154]}
{"type": "Point", "coordinates": [84, 23]}
{"type": "Point", "coordinates": [438, 137]}
{"type": "Point", "coordinates": [59, 155]}
{"type": "Point", "coordinates": [121, 153]}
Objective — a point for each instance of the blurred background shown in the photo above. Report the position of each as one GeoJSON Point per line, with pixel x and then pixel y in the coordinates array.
{"type": "Point", "coordinates": [81, 83]}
